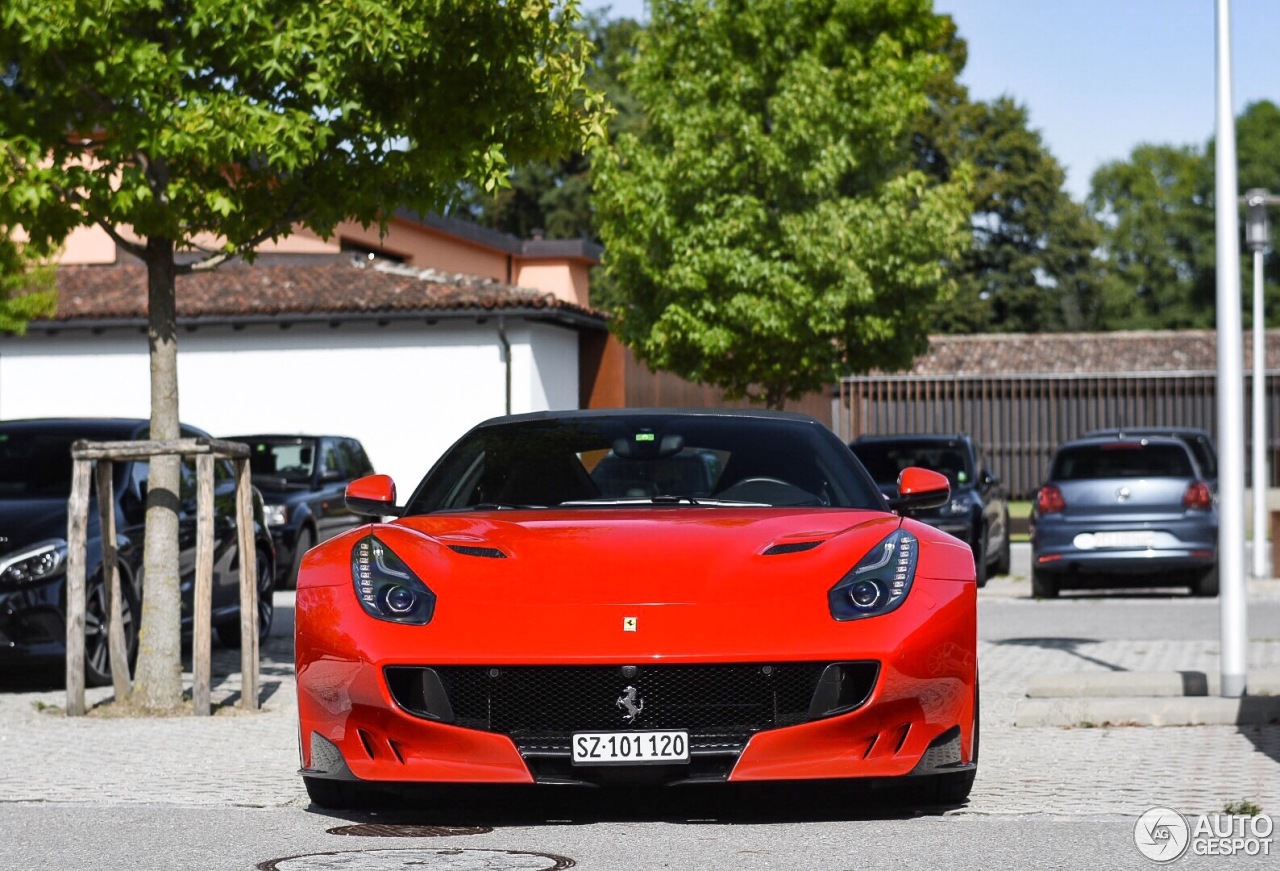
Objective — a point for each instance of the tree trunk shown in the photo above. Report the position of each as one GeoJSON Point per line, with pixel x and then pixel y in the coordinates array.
{"type": "Point", "coordinates": [159, 673]}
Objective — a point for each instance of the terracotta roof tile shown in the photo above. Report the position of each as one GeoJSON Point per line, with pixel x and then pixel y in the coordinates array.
{"type": "Point", "coordinates": [302, 285]}
{"type": "Point", "coordinates": [1080, 353]}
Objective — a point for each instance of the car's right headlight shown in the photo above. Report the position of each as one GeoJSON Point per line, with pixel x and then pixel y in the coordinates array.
{"type": "Point", "coordinates": [42, 560]}
{"type": "Point", "coordinates": [275, 515]}
{"type": "Point", "coordinates": [880, 581]}
{"type": "Point", "coordinates": [386, 587]}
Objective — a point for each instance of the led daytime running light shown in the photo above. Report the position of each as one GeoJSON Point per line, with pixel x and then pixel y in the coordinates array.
{"type": "Point", "coordinates": [386, 587]}
{"type": "Point", "coordinates": [879, 583]}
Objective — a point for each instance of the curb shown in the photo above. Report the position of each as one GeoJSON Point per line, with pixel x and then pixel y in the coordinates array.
{"type": "Point", "coordinates": [1161, 684]}
{"type": "Point", "coordinates": [1149, 711]}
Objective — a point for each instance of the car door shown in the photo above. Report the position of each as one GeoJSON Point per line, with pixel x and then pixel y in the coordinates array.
{"type": "Point", "coordinates": [331, 477]}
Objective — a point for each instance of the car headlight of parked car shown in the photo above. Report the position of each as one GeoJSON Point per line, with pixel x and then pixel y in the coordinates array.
{"type": "Point", "coordinates": [386, 587]}
{"type": "Point", "coordinates": [275, 515]}
{"type": "Point", "coordinates": [42, 560]}
{"type": "Point", "coordinates": [956, 507]}
{"type": "Point", "coordinates": [880, 581]}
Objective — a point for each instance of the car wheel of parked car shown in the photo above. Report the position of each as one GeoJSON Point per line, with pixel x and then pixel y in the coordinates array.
{"type": "Point", "coordinates": [229, 632]}
{"type": "Point", "coordinates": [1005, 562]}
{"type": "Point", "coordinates": [306, 541]}
{"type": "Point", "coordinates": [1043, 586]}
{"type": "Point", "coordinates": [1207, 584]}
{"type": "Point", "coordinates": [980, 566]}
{"type": "Point", "coordinates": [97, 651]}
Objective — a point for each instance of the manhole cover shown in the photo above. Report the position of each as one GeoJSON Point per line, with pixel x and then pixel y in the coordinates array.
{"type": "Point", "coordinates": [393, 830]}
{"type": "Point", "coordinates": [421, 860]}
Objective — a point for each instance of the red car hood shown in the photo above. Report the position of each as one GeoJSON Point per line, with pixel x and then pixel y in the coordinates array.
{"type": "Point", "coordinates": [645, 556]}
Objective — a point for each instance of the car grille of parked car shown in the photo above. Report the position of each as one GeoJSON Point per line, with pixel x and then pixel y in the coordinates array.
{"type": "Point", "coordinates": [721, 706]}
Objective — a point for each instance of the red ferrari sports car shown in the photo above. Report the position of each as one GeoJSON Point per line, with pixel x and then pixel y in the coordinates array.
{"type": "Point", "coordinates": [639, 596]}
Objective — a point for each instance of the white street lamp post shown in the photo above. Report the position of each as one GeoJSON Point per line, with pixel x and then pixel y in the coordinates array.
{"type": "Point", "coordinates": [1257, 237]}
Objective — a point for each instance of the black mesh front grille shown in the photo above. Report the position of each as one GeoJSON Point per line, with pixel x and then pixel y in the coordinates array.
{"type": "Point", "coordinates": [720, 706]}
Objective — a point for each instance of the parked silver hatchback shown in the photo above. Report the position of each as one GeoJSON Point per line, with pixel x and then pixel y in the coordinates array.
{"type": "Point", "coordinates": [1127, 511]}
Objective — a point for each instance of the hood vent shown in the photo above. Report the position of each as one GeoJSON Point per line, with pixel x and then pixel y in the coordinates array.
{"type": "Point", "coordinates": [791, 547]}
{"type": "Point", "coordinates": [486, 552]}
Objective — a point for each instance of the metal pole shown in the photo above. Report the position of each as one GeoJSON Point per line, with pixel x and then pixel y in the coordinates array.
{"type": "Point", "coordinates": [1232, 600]}
{"type": "Point", "coordinates": [1260, 477]}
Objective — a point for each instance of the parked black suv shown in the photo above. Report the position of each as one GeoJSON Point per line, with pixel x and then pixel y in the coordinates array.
{"type": "Point", "coordinates": [978, 512]}
{"type": "Point", "coordinates": [35, 484]}
{"type": "Point", "coordinates": [303, 480]}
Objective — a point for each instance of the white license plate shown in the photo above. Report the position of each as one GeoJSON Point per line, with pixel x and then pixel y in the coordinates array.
{"type": "Point", "coordinates": [1136, 538]}
{"type": "Point", "coordinates": [629, 748]}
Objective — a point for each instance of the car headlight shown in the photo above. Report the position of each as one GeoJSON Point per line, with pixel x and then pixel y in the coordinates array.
{"type": "Point", "coordinates": [956, 506]}
{"type": "Point", "coordinates": [879, 582]}
{"type": "Point", "coordinates": [386, 587]}
{"type": "Point", "coordinates": [275, 515]}
{"type": "Point", "coordinates": [42, 560]}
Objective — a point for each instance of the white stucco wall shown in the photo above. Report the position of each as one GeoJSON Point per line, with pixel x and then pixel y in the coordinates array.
{"type": "Point", "coordinates": [406, 390]}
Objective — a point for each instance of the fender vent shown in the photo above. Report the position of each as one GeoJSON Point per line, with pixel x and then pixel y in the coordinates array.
{"type": "Point", "coordinates": [791, 547]}
{"type": "Point", "coordinates": [486, 552]}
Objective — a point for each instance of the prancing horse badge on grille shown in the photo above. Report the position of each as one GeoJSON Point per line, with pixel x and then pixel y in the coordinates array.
{"type": "Point", "coordinates": [628, 624]}
{"type": "Point", "coordinates": [630, 702]}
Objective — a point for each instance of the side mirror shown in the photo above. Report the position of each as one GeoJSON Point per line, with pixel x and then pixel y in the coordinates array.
{"type": "Point", "coordinates": [374, 496]}
{"type": "Point", "coordinates": [920, 488]}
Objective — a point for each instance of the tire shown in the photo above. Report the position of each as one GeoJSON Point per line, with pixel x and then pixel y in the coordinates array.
{"type": "Point", "coordinates": [229, 632]}
{"type": "Point", "coordinates": [1005, 562]}
{"type": "Point", "coordinates": [306, 541]}
{"type": "Point", "coordinates": [1043, 586]}
{"type": "Point", "coordinates": [1207, 584]}
{"type": "Point", "coordinates": [97, 653]}
{"type": "Point", "coordinates": [980, 562]}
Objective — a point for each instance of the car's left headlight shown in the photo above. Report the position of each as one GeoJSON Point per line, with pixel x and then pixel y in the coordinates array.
{"type": "Point", "coordinates": [880, 581]}
{"type": "Point", "coordinates": [386, 587]}
{"type": "Point", "coordinates": [957, 506]}
{"type": "Point", "coordinates": [275, 515]}
{"type": "Point", "coordinates": [42, 560]}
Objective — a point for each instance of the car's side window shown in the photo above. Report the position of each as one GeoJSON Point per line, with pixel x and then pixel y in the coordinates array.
{"type": "Point", "coordinates": [355, 459]}
{"type": "Point", "coordinates": [330, 459]}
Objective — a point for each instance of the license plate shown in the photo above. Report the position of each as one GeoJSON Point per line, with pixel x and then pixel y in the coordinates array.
{"type": "Point", "coordinates": [1137, 538]}
{"type": "Point", "coordinates": [629, 748]}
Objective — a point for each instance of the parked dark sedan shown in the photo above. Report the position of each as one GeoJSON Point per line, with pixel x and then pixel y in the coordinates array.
{"type": "Point", "coordinates": [35, 484]}
{"type": "Point", "coordinates": [1129, 511]}
{"type": "Point", "coordinates": [302, 479]}
{"type": "Point", "coordinates": [978, 511]}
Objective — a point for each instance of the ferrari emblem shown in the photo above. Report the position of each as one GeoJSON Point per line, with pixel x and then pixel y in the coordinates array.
{"type": "Point", "coordinates": [628, 624]}
{"type": "Point", "coordinates": [631, 703]}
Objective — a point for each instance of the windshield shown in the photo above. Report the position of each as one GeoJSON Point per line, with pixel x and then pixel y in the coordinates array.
{"type": "Point", "coordinates": [589, 461]}
{"type": "Point", "coordinates": [290, 459]}
{"type": "Point", "coordinates": [886, 460]}
{"type": "Point", "coordinates": [1122, 460]}
{"type": "Point", "coordinates": [37, 465]}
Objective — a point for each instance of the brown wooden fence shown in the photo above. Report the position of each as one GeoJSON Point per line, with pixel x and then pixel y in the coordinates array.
{"type": "Point", "coordinates": [1019, 419]}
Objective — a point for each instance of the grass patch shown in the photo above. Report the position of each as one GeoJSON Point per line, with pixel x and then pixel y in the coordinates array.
{"type": "Point", "coordinates": [1243, 808]}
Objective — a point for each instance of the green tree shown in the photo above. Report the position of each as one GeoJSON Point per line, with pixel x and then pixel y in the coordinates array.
{"type": "Point", "coordinates": [1156, 211]}
{"type": "Point", "coordinates": [28, 287]}
{"type": "Point", "coordinates": [761, 226]}
{"type": "Point", "coordinates": [172, 122]}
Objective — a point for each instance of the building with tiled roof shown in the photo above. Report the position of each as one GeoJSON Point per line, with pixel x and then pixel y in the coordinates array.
{"type": "Point", "coordinates": [403, 340]}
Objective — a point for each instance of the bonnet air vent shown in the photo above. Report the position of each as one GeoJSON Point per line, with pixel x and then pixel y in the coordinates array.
{"type": "Point", "coordinates": [792, 547]}
{"type": "Point", "coordinates": [486, 552]}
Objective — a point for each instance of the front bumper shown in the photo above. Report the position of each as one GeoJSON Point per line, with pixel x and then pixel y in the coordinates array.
{"type": "Point", "coordinates": [916, 718]}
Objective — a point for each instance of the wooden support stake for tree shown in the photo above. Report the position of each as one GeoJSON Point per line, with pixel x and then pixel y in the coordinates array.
{"type": "Point", "coordinates": [117, 651]}
{"type": "Point", "coordinates": [77, 523]}
{"type": "Point", "coordinates": [248, 588]}
{"type": "Point", "coordinates": [202, 628]}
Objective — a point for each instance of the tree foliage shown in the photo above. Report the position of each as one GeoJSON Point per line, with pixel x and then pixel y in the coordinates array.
{"type": "Point", "coordinates": [762, 226]}
{"type": "Point", "coordinates": [28, 287]}
{"type": "Point", "coordinates": [213, 125]}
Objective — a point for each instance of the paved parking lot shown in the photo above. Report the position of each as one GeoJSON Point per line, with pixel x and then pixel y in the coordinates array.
{"type": "Point", "coordinates": [250, 759]}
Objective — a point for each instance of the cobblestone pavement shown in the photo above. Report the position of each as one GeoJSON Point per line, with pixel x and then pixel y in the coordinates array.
{"type": "Point", "coordinates": [250, 759]}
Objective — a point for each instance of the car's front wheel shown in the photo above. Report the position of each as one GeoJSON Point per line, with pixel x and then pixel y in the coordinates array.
{"type": "Point", "coordinates": [980, 562]}
{"type": "Point", "coordinates": [955, 788]}
{"type": "Point", "coordinates": [97, 650]}
{"type": "Point", "coordinates": [229, 632]}
{"type": "Point", "coordinates": [306, 541]}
